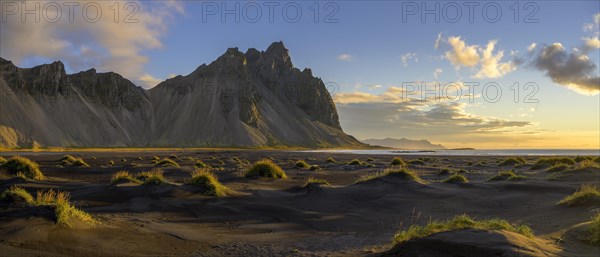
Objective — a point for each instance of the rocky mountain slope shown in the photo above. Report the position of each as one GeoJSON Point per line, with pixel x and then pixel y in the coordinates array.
{"type": "Point", "coordinates": [240, 100]}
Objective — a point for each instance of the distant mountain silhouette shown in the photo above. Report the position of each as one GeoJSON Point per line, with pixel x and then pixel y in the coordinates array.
{"type": "Point", "coordinates": [404, 143]}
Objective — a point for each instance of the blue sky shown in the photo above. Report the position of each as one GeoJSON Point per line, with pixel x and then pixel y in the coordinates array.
{"type": "Point", "coordinates": [365, 48]}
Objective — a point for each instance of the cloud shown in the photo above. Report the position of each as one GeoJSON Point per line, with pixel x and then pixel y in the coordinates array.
{"type": "Point", "coordinates": [574, 70]}
{"type": "Point", "coordinates": [105, 45]}
{"type": "Point", "coordinates": [531, 47]}
{"type": "Point", "coordinates": [591, 43]}
{"type": "Point", "coordinates": [437, 72]}
{"type": "Point", "coordinates": [491, 67]}
{"type": "Point", "coordinates": [462, 54]}
{"type": "Point", "coordinates": [419, 119]}
{"type": "Point", "coordinates": [407, 57]}
{"type": "Point", "coordinates": [345, 57]}
{"type": "Point", "coordinates": [437, 41]}
{"type": "Point", "coordinates": [373, 87]}
{"type": "Point", "coordinates": [150, 80]}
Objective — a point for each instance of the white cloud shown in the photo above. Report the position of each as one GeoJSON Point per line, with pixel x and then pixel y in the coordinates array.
{"type": "Point", "coordinates": [462, 54]}
{"type": "Point", "coordinates": [150, 80]}
{"type": "Point", "coordinates": [531, 47]}
{"type": "Point", "coordinates": [437, 72]}
{"type": "Point", "coordinates": [373, 87]}
{"type": "Point", "coordinates": [591, 42]}
{"type": "Point", "coordinates": [105, 45]}
{"type": "Point", "coordinates": [437, 41]}
{"type": "Point", "coordinates": [407, 57]}
{"type": "Point", "coordinates": [345, 57]}
{"type": "Point", "coordinates": [491, 67]}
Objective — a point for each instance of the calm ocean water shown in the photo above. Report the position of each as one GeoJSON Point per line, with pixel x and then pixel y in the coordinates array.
{"type": "Point", "coordinates": [482, 152]}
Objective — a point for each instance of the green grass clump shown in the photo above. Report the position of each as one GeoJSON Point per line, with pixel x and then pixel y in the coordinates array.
{"type": "Point", "coordinates": [585, 194]}
{"type": "Point", "coordinates": [597, 160]}
{"type": "Point", "coordinates": [547, 162]}
{"type": "Point", "coordinates": [370, 159]}
{"type": "Point", "coordinates": [582, 158]}
{"type": "Point", "coordinates": [594, 231]}
{"type": "Point", "coordinates": [236, 159]}
{"type": "Point", "coordinates": [200, 164]}
{"type": "Point", "coordinates": [152, 177]}
{"type": "Point", "coordinates": [315, 181]}
{"type": "Point", "coordinates": [111, 163]}
{"type": "Point", "coordinates": [558, 168]}
{"type": "Point", "coordinates": [506, 175]}
{"type": "Point", "coordinates": [444, 172]}
{"type": "Point", "coordinates": [173, 157]}
{"type": "Point", "coordinates": [330, 160]}
{"type": "Point", "coordinates": [65, 213]}
{"type": "Point", "coordinates": [513, 161]}
{"type": "Point", "coordinates": [417, 162]}
{"type": "Point", "coordinates": [2, 160]}
{"type": "Point", "coordinates": [585, 165]}
{"type": "Point", "coordinates": [404, 173]}
{"type": "Point", "coordinates": [315, 167]}
{"type": "Point", "coordinates": [70, 160]}
{"type": "Point", "coordinates": [460, 222]}
{"type": "Point", "coordinates": [356, 162]}
{"type": "Point", "coordinates": [265, 168]}
{"type": "Point", "coordinates": [208, 182]}
{"type": "Point", "coordinates": [16, 194]}
{"type": "Point", "coordinates": [397, 161]}
{"type": "Point", "coordinates": [456, 178]}
{"type": "Point", "coordinates": [23, 167]}
{"type": "Point", "coordinates": [166, 162]}
{"type": "Point", "coordinates": [302, 164]}
{"type": "Point", "coordinates": [123, 177]}
{"type": "Point", "coordinates": [67, 158]}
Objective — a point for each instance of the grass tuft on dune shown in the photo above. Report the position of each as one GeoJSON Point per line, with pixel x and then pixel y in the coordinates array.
{"type": "Point", "coordinates": [459, 222]}
{"type": "Point", "coordinates": [167, 162]}
{"type": "Point", "coordinates": [23, 167]}
{"type": "Point", "coordinates": [265, 168]}
{"type": "Point", "coordinates": [15, 194]}
{"type": "Point", "coordinates": [356, 162]}
{"type": "Point", "coordinates": [207, 182]}
{"type": "Point", "coordinates": [594, 231]}
{"type": "Point", "coordinates": [513, 161]}
{"type": "Point", "coordinates": [152, 177]}
{"type": "Point", "coordinates": [2, 160]}
{"type": "Point", "coordinates": [70, 160]}
{"type": "Point", "coordinates": [506, 175]}
{"type": "Point", "coordinates": [456, 178]}
{"type": "Point", "coordinates": [123, 177]}
{"type": "Point", "coordinates": [585, 194]}
{"type": "Point", "coordinates": [301, 164]}
{"type": "Point", "coordinates": [548, 162]}
{"type": "Point", "coordinates": [200, 164]}
{"type": "Point", "coordinates": [397, 161]}
{"type": "Point", "coordinates": [330, 160]}
{"type": "Point", "coordinates": [65, 212]}
{"type": "Point", "coordinates": [404, 173]}
{"type": "Point", "coordinates": [315, 181]}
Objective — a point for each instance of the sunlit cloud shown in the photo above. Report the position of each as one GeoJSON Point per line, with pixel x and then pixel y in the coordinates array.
{"type": "Point", "coordinates": [461, 53]}
{"type": "Point", "coordinates": [105, 45]}
{"type": "Point", "coordinates": [574, 70]}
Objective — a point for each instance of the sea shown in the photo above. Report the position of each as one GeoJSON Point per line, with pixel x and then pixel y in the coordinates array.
{"type": "Point", "coordinates": [475, 152]}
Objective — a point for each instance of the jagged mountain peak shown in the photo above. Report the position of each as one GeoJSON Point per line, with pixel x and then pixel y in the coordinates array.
{"type": "Point", "coordinates": [240, 99]}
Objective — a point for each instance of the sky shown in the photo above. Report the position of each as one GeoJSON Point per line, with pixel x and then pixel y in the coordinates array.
{"type": "Point", "coordinates": [511, 74]}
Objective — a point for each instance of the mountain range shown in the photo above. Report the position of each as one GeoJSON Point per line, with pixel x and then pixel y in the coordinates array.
{"type": "Point", "coordinates": [251, 99]}
{"type": "Point", "coordinates": [404, 143]}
